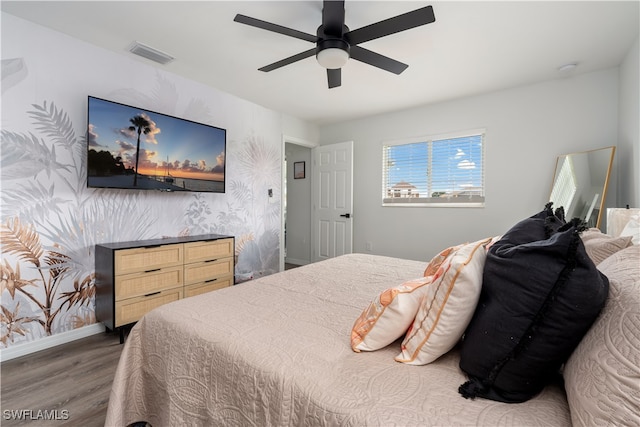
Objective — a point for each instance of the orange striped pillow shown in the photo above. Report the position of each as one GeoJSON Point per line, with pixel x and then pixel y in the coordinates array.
{"type": "Point", "coordinates": [390, 314]}
{"type": "Point", "coordinates": [447, 306]}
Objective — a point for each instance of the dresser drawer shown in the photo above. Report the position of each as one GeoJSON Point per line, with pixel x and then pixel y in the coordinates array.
{"type": "Point", "coordinates": [131, 310]}
{"type": "Point", "coordinates": [208, 286]}
{"type": "Point", "coordinates": [203, 271]}
{"type": "Point", "coordinates": [140, 284]}
{"type": "Point", "coordinates": [204, 251]}
{"type": "Point", "coordinates": [135, 277]}
{"type": "Point", "coordinates": [146, 259]}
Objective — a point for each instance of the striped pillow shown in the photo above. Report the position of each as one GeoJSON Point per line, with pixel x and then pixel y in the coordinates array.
{"type": "Point", "coordinates": [390, 314]}
{"type": "Point", "coordinates": [447, 306]}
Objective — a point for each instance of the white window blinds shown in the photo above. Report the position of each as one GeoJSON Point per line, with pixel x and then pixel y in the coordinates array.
{"type": "Point", "coordinates": [565, 186]}
{"type": "Point", "coordinates": [441, 171]}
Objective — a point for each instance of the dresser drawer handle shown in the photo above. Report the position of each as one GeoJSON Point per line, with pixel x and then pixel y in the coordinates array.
{"type": "Point", "coordinates": [211, 260]}
{"type": "Point", "coordinates": [210, 280]}
{"type": "Point", "coordinates": [151, 271]}
{"type": "Point", "coordinates": [152, 293]}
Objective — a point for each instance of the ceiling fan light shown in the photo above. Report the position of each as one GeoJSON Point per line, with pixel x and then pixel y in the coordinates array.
{"type": "Point", "coordinates": [332, 58]}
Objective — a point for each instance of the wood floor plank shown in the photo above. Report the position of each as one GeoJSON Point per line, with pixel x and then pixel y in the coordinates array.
{"type": "Point", "coordinates": [75, 377]}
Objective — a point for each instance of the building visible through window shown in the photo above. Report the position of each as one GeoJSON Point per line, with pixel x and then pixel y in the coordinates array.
{"type": "Point", "coordinates": [445, 170]}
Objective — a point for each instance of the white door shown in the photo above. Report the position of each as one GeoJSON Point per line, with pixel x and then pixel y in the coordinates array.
{"type": "Point", "coordinates": [332, 200]}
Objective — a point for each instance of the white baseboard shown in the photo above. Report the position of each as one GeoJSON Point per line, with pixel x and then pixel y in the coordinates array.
{"type": "Point", "coordinates": [296, 261]}
{"type": "Point", "coordinates": [50, 341]}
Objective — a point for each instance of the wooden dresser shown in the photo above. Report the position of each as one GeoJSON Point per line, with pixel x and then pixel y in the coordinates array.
{"type": "Point", "coordinates": [133, 278]}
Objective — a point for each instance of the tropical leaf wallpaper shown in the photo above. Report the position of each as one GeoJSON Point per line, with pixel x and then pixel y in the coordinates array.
{"type": "Point", "coordinates": [50, 220]}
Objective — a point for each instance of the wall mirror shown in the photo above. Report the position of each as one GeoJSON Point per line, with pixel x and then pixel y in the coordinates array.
{"type": "Point", "coordinates": [580, 184]}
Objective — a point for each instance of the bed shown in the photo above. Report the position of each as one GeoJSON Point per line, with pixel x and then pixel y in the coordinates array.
{"type": "Point", "coordinates": [276, 351]}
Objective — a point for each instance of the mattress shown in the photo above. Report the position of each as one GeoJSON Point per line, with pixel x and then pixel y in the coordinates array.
{"type": "Point", "coordinates": [276, 352]}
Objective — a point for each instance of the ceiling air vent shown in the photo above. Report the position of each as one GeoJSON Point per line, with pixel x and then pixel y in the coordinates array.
{"type": "Point", "coordinates": [150, 53]}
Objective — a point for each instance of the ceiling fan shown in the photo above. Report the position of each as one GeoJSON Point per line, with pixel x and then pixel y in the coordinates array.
{"type": "Point", "coordinates": [335, 43]}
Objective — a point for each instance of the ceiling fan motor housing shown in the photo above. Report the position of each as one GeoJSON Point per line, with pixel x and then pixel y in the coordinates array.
{"type": "Point", "coordinates": [332, 43]}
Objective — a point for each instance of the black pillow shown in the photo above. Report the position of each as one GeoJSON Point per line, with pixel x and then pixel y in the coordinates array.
{"type": "Point", "coordinates": [537, 227]}
{"type": "Point", "coordinates": [540, 295]}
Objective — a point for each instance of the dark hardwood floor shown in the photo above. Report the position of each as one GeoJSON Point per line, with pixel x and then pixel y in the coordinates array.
{"type": "Point", "coordinates": [71, 382]}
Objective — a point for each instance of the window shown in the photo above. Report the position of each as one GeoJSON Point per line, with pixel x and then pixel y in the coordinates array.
{"type": "Point", "coordinates": [565, 187]}
{"type": "Point", "coordinates": [440, 171]}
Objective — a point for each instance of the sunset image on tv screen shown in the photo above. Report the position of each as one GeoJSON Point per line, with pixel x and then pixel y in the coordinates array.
{"type": "Point", "coordinates": [131, 147]}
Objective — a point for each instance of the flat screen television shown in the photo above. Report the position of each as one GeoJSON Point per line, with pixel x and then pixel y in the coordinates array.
{"type": "Point", "coordinates": [133, 148]}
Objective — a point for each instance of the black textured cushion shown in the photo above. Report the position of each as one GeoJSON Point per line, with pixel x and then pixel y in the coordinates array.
{"type": "Point", "coordinates": [537, 227]}
{"type": "Point", "coordinates": [540, 294]}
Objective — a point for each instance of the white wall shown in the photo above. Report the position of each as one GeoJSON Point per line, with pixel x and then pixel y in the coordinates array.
{"type": "Point", "coordinates": [299, 129]}
{"type": "Point", "coordinates": [526, 129]}
{"type": "Point", "coordinates": [629, 130]}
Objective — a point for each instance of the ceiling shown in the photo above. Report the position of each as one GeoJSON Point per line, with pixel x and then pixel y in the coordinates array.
{"type": "Point", "coordinates": [473, 47]}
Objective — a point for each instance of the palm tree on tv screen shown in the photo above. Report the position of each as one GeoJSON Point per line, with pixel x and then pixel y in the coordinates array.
{"type": "Point", "coordinates": [141, 125]}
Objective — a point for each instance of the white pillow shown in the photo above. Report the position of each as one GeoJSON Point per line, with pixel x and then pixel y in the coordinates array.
{"type": "Point", "coordinates": [632, 229]}
{"type": "Point", "coordinates": [447, 306]}
{"type": "Point", "coordinates": [390, 314]}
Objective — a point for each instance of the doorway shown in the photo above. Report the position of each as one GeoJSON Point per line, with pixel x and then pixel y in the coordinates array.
{"type": "Point", "coordinates": [310, 230]}
{"type": "Point", "coordinates": [297, 205]}
{"type": "Point", "coordinates": [296, 202]}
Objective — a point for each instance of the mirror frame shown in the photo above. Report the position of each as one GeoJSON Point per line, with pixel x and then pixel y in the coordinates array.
{"type": "Point", "coordinates": [606, 178]}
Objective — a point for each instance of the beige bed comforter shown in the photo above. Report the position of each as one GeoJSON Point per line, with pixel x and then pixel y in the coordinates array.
{"type": "Point", "coordinates": [275, 351]}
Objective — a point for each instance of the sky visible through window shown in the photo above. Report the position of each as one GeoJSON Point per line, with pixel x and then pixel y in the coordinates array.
{"type": "Point", "coordinates": [442, 166]}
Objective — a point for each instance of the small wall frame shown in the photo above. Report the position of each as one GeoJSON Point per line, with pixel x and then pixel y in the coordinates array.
{"type": "Point", "coordinates": [298, 170]}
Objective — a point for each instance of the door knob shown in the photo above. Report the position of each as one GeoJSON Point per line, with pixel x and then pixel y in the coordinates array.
{"type": "Point", "coordinates": [346, 215]}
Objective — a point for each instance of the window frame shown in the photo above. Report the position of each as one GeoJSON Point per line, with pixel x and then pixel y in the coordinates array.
{"type": "Point", "coordinates": [430, 201]}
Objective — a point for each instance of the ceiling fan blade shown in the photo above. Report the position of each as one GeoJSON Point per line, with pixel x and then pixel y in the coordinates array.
{"type": "Point", "coordinates": [289, 60]}
{"type": "Point", "coordinates": [368, 57]}
{"type": "Point", "coordinates": [333, 17]}
{"type": "Point", "coordinates": [393, 25]}
{"type": "Point", "coordinates": [243, 19]}
{"type": "Point", "coordinates": [334, 77]}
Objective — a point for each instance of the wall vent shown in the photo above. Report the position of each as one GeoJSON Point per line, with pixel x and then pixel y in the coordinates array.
{"type": "Point", "coordinates": [150, 53]}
